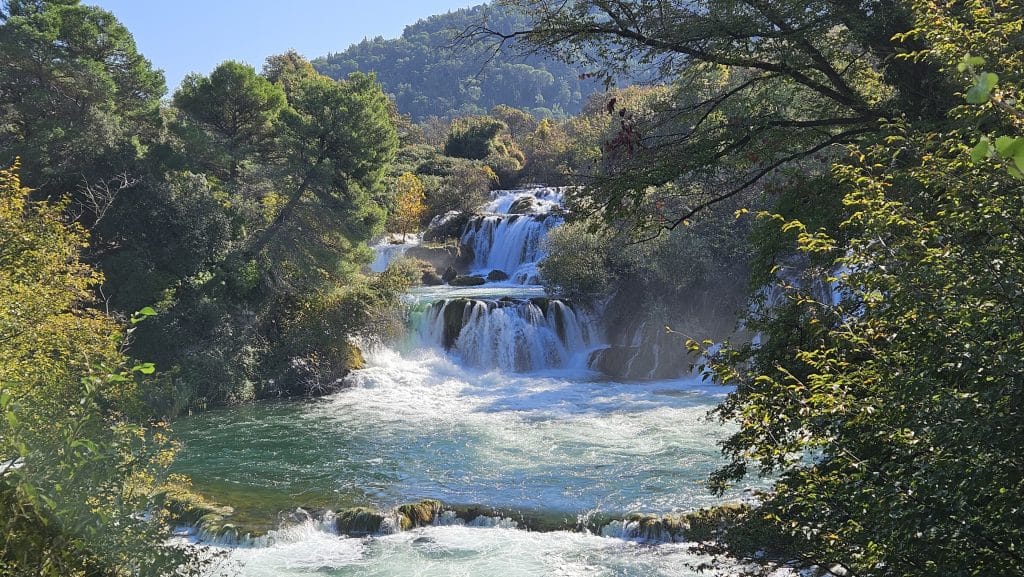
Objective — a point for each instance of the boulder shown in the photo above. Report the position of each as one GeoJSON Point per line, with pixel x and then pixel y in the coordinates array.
{"type": "Point", "coordinates": [418, 514]}
{"type": "Point", "coordinates": [497, 275]}
{"type": "Point", "coordinates": [446, 226]}
{"type": "Point", "coordinates": [449, 275]}
{"type": "Point", "coordinates": [613, 361]}
{"type": "Point", "coordinates": [523, 205]}
{"type": "Point", "coordinates": [467, 280]}
{"type": "Point", "coordinates": [440, 257]}
{"type": "Point", "coordinates": [358, 521]}
{"type": "Point", "coordinates": [431, 278]}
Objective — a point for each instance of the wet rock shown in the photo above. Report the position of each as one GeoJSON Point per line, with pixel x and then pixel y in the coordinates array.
{"type": "Point", "coordinates": [440, 257]}
{"type": "Point", "coordinates": [467, 280]}
{"type": "Point", "coordinates": [542, 303]}
{"type": "Point", "coordinates": [497, 275]}
{"type": "Point", "coordinates": [523, 205]}
{"type": "Point", "coordinates": [454, 317]}
{"type": "Point", "coordinates": [418, 514]}
{"type": "Point", "coordinates": [298, 517]}
{"type": "Point", "coordinates": [646, 354]}
{"type": "Point", "coordinates": [431, 278]}
{"type": "Point", "coordinates": [358, 521]}
{"type": "Point", "coordinates": [613, 361]}
{"type": "Point", "coordinates": [446, 226]}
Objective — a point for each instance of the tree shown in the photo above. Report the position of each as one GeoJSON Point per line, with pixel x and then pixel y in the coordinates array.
{"type": "Point", "coordinates": [76, 97]}
{"type": "Point", "coordinates": [287, 70]}
{"type": "Point", "coordinates": [519, 122]}
{"type": "Point", "coordinates": [339, 140]}
{"type": "Point", "coordinates": [892, 415]}
{"type": "Point", "coordinates": [410, 203]}
{"type": "Point", "coordinates": [238, 108]}
{"type": "Point", "coordinates": [76, 468]}
{"type": "Point", "coordinates": [474, 137]}
{"type": "Point", "coordinates": [761, 86]}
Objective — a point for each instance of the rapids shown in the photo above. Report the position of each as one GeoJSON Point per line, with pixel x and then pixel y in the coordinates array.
{"type": "Point", "coordinates": [487, 402]}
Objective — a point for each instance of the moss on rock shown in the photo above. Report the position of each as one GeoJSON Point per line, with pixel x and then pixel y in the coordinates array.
{"type": "Point", "coordinates": [418, 514]}
{"type": "Point", "coordinates": [358, 521]}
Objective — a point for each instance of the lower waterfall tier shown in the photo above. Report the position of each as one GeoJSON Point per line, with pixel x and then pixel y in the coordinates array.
{"type": "Point", "coordinates": [510, 334]}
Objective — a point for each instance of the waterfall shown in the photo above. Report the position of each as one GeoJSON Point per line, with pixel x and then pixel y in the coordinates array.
{"type": "Point", "coordinates": [509, 236]}
{"type": "Point", "coordinates": [508, 334]}
{"type": "Point", "coordinates": [387, 250]}
{"type": "Point", "coordinates": [510, 243]}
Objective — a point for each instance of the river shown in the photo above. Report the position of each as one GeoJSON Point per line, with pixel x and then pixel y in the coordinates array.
{"type": "Point", "coordinates": [441, 416]}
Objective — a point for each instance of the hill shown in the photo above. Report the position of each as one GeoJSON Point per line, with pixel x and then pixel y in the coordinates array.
{"type": "Point", "coordinates": [427, 76]}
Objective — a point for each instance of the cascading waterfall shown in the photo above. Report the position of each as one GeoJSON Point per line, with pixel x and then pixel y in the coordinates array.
{"type": "Point", "coordinates": [509, 243]}
{"type": "Point", "coordinates": [508, 334]}
{"type": "Point", "coordinates": [471, 417]}
{"type": "Point", "coordinates": [509, 236]}
{"type": "Point", "coordinates": [388, 250]}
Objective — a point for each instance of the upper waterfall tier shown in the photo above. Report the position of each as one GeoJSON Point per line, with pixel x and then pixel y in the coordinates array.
{"type": "Point", "coordinates": [509, 334]}
{"type": "Point", "coordinates": [510, 235]}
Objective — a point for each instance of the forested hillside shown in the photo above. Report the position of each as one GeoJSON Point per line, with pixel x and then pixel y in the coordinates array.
{"type": "Point", "coordinates": [429, 74]}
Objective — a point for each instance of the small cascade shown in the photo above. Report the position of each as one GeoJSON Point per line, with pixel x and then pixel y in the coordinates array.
{"type": "Point", "coordinates": [390, 248]}
{"type": "Point", "coordinates": [508, 334]}
{"type": "Point", "coordinates": [509, 243]}
{"type": "Point", "coordinates": [509, 235]}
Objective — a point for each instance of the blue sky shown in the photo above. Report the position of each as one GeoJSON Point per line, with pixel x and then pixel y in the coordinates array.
{"type": "Point", "coordinates": [182, 36]}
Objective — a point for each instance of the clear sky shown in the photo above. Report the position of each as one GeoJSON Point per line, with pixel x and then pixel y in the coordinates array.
{"type": "Point", "coordinates": [182, 36]}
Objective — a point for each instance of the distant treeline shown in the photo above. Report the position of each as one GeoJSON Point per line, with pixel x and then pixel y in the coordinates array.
{"type": "Point", "coordinates": [429, 73]}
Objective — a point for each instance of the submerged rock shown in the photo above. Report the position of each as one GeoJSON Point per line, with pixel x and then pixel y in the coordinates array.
{"type": "Point", "coordinates": [467, 280]}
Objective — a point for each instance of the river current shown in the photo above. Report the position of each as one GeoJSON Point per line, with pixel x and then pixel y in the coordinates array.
{"type": "Point", "coordinates": [426, 420]}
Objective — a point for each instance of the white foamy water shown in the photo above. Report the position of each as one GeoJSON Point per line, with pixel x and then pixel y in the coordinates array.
{"type": "Point", "coordinates": [390, 248]}
{"type": "Point", "coordinates": [446, 551]}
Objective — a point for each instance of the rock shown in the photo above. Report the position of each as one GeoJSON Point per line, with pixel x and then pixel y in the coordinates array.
{"type": "Point", "coordinates": [440, 257]}
{"type": "Point", "coordinates": [497, 275]}
{"type": "Point", "coordinates": [446, 226]}
{"type": "Point", "coordinates": [454, 316]}
{"type": "Point", "coordinates": [431, 278]}
{"type": "Point", "coordinates": [523, 205]}
{"type": "Point", "coordinates": [642, 354]}
{"type": "Point", "coordinates": [612, 361]}
{"type": "Point", "coordinates": [358, 521]}
{"type": "Point", "coordinates": [449, 275]}
{"type": "Point", "coordinates": [418, 514]}
{"type": "Point", "coordinates": [467, 280]}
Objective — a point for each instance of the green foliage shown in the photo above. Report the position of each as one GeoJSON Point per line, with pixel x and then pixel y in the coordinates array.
{"type": "Point", "coordinates": [75, 469]}
{"type": "Point", "coordinates": [576, 265]}
{"type": "Point", "coordinates": [756, 87]}
{"type": "Point", "coordinates": [892, 418]}
{"type": "Point", "coordinates": [473, 138]}
{"type": "Point", "coordinates": [464, 188]}
{"type": "Point", "coordinates": [693, 279]}
{"type": "Point", "coordinates": [239, 110]}
{"type": "Point", "coordinates": [75, 95]}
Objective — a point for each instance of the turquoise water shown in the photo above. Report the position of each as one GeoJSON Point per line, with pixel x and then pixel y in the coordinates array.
{"type": "Point", "coordinates": [423, 427]}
